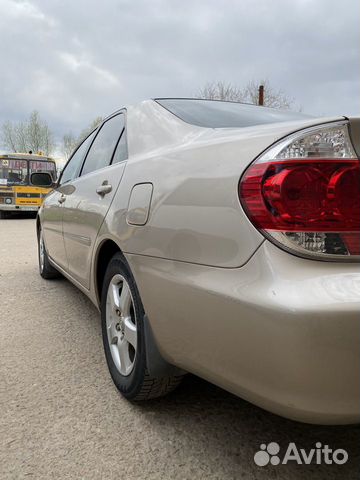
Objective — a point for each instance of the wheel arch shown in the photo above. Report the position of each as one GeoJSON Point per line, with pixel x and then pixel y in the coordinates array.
{"type": "Point", "coordinates": [38, 225]}
{"type": "Point", "coordinates": [106, 250]}
{"type": "Point", "coordinates": [156, 365]}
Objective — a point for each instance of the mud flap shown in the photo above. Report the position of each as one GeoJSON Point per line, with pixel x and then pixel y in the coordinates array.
{"type": "Point", "coordinates": [156, 365]}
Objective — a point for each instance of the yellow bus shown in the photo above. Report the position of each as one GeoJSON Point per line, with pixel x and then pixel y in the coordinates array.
{"type": "Point", "coordinates": [16, 192]}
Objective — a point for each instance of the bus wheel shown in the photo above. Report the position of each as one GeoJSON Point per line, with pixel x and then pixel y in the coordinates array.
{"type": "Point", "coordinates": [46, 270]}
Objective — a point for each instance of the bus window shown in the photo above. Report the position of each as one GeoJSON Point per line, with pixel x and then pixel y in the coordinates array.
{"type": "Point", "coordinates": [43, 166]}
{"type": "Point", "coordinates": [13, 172]}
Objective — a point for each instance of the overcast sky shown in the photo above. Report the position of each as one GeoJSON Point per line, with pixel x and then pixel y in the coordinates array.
{"type": "Point", "coordinates": [75, 60]}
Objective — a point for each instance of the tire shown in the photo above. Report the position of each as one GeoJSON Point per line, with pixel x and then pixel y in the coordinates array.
{"type": "Point", "coordinates": [46, 270]}
{"type": "Point", "coordinates": [122, 319]}
{"type": "Point", "coordinates": [3, 215]}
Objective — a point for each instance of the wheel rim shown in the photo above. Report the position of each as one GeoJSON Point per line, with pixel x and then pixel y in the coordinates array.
{"type": "Point", "coordinates": [41, 252]}
{"type": "Point", "coordinates": [121, 324]}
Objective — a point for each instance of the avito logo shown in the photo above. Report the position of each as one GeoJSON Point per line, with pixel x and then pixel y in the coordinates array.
{"type": "Point", "coordinates": [270, 454]}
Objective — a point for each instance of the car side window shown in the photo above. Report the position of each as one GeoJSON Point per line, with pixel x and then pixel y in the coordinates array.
{"type": "Point", "coordinates": [102, 149]}
{"type": "Point", "coordinates": [73, 167]}
{"type": "Point", "coordinates": [121, 152]}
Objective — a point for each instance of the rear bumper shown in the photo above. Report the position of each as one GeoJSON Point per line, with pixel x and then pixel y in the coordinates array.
{"type": "Point", "coordinates": [19, 208]}
{"type": "Point", "coordinates": [281, 332]}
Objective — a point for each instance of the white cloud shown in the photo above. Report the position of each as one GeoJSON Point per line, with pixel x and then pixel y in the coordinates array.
{"type": "Point", "coordinates": [14, 10]}
{"type": "Point", "coordinates": [81, 65]}
{"type": "Point", "coordinates": [75, 60]}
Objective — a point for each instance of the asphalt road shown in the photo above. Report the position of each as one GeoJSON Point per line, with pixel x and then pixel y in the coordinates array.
{"type": "Point", "coordinates": [61, 416]}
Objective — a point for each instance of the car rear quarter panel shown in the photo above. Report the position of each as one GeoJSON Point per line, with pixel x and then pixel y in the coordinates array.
{"type": "Point", "coordinates": [195, 214]}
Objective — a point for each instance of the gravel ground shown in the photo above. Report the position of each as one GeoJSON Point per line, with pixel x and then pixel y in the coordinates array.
{"type": "Point", "coordinates": [61, 416]}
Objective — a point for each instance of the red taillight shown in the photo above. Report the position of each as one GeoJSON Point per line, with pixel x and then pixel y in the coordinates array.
{"type": "Point", "coordinates": [310, 203]}
{"type": "Point", "coordinates": [303, 196]}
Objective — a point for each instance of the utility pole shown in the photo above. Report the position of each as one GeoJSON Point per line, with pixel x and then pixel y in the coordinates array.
{"type": "Point", "coordinates": [261, 95]}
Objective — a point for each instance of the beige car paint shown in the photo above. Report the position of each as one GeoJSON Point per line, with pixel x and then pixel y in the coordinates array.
{"type": "Point", "coordinates": [279, 332]}
{"type": "Point", "coordinates": [355, 133]}
{"type": "Point", "coordinates": [139, 204]}
{"type": "Point", "coordinates": [223, 303]}
{"type": "Point", "coordinates": [185, 207]}
{"type": "Point", "coordinates": [52, 214]}
{"type": "Point", "coordinates": [84, 212]}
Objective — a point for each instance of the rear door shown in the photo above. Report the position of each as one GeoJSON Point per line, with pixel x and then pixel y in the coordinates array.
{"type": "Point", "coordinates": [52, 210]}
{"type": "Point", "coordinates": [91, 194]}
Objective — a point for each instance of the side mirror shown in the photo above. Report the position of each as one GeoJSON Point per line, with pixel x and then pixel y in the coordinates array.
{"type": "Point", "coordinates": [42, 180]}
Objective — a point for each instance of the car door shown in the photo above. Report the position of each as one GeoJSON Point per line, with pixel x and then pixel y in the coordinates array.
{"type": "Point", "coordinates": [91, 194]}
{"type": "Point", "coordinates": [52, 210]}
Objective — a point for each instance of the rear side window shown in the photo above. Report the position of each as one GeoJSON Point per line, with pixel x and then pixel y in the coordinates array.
{"type": "Point", "coordinates": [72, 168]}
{"type": "Point", "coordinates": [102, 149]}
{"type": "Point", "coordinates": [218, 114]}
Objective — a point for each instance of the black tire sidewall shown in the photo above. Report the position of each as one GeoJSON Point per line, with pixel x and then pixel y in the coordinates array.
{"type": "Point", "coordinates": [42, 272]}
{"type": "Point", "coordinates": [129, 385]}
{"type": "Point", "coordinates": [48, 271]}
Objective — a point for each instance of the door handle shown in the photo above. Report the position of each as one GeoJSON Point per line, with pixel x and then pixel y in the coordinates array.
{"type": "Point", "coordinates": [62, 199]}
{"type": "Point", "coordinates": [104, 188]}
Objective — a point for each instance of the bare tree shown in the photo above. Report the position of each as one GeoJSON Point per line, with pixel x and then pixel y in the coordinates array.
{"type": "Point", "coordinates": [21, 137]}
{"type": "Point", "coordinates": [39, 136]}
{"type": "Point", "coordinates": [9, 136]}
{"type": "Point", "coordinates": [34, 135]}
{"type": "Point", "coordinates": [69, 143]}
{"type": "Point", "coordinates": [90, 128]}
{"type": "Point", "coordinates": [221, 91]}
{"type": "Point", "coordinates": [273, 97]}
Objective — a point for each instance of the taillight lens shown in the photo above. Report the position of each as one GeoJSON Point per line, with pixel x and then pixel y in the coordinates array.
{"type": "Point", "coordinates": [304, 193]}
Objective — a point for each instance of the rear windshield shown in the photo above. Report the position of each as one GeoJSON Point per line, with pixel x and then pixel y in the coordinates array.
{"type": "Point", "coordinates": [218, 114]}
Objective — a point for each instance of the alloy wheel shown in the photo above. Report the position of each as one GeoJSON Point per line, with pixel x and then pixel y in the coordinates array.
{"type": "Point", "coordinates": [121, 324]}
{"type": "Point", "coordinates": [41, 252]}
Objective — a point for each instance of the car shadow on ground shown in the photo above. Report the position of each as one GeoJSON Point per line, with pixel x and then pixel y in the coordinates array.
{"type": "Point", "coordinates": [223, 422]}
